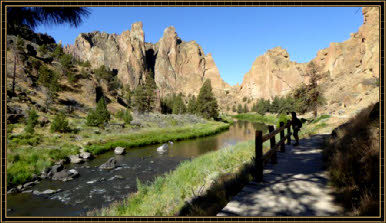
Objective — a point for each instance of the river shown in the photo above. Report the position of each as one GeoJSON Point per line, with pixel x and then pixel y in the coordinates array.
{"type": "Point", "coordinates": [96, 188]}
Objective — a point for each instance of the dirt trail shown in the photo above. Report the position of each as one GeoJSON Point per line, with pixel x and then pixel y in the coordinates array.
{"type": "Point", "coordinates": [295, 186]}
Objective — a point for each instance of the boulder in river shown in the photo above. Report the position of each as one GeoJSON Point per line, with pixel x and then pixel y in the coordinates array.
{"type": "Point", "coordinates": [56, 168]}
{"type": "Point", "coordinates": [119, 150]}
{"type": "Point", "coordinates": [109, 165]}
{"type": "Point", "coordinates": [65, 175]}
{"type": "Point", "coordinates": [75, 159]}
{"type": "Point", "coordinates": [12, 191]}
{"type": "Point", "coordinates": [29, 184]}
{"type": "Point", "coordinates": [162, 148]}
{"type": "Point", "coordinates": [85, 155]}
{"type": "Point", "coordinates": [171, 142]}
{"type": "Point", "coordinates": [48, 191]}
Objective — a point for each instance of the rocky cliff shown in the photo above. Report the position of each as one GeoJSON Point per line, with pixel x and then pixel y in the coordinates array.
{"type": "Point", "coordinates": [272, 74]}
{"type": "Point", "coordinates": [178, 66]}
{"type": "Point", "coordinates": [351, 70]}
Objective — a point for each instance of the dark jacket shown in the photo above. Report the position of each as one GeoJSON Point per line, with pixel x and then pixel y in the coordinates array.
{"type": "Point", "coordinates": [296, 124]}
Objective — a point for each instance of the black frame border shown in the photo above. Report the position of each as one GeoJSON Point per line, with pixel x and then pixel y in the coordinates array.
{"type": "Point", "coordinates": [188, 3]}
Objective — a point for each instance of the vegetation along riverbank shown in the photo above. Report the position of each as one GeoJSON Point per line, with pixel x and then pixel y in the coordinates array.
{"type": "Point", "coordinates": [29, 155]}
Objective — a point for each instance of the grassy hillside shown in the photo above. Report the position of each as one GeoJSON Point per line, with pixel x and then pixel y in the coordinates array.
{"type": "Point", "coordinates": [352, 158]}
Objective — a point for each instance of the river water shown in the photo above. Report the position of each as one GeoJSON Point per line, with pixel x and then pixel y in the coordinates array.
{"type": "Point", "coordinates": [97, 188]}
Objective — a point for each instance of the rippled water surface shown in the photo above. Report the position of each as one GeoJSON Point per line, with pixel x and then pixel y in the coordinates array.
{"type": "Point", "coordinates": [96, 188]}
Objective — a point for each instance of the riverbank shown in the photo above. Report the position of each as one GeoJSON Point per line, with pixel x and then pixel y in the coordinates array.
{"type": "Point", "coordinates": [157, 135]}
{"type": "Point", "coordinates": [169, 193]}
{"type": "Point", "coordinates": [28, 155]}
{"type": "Point", "coordinates": [253, 117]}
{"type": "Point", "coordinates": [194, 190]}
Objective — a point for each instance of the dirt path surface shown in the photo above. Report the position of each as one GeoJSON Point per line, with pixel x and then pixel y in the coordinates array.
{"type": "Point", "coordinates": [295, 186]}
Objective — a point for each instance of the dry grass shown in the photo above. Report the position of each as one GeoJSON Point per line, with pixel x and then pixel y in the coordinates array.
{"type": "Point", "coordinates": [352, 157]}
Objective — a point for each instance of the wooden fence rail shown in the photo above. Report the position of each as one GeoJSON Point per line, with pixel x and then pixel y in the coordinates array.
{"type": "Point", "coordinates": [260, 159]}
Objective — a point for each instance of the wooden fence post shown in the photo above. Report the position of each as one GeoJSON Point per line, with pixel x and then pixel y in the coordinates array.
{"type": "Point", "coordinates": [273, 143]}
{"type": "Point", "coordinates": [282, 146]}
{"type": "Point", "coordinates": [259, 156]}
{"type": "Point", "coordinates": [288, 131]}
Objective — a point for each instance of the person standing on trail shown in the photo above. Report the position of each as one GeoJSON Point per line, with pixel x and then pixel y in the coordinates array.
{"type": "Point", "coordinates": [296, 125]}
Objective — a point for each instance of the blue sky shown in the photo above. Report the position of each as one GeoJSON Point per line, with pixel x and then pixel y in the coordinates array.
{"type": "Point", "coordinates": [234, 36]}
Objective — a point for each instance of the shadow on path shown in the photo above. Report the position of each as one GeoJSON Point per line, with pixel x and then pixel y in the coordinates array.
{"type": "Point", "coordinates": [295, 186]}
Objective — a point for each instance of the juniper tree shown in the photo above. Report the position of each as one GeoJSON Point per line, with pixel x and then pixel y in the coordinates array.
{"type": "Point", "coordinates": [179, 105]}
{"type": "Point", "coordinates": [206, 102]}
{"type": "Point", "coordinates": [100, 115]}
{"type": "Point", "coordinates": [192, 105]}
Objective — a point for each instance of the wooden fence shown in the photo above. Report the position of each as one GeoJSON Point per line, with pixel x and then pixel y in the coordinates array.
{"type": "Point", "coordinates": [260, 159]}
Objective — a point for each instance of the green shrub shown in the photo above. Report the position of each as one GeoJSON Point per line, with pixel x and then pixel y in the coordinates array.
{"type": "Point", "coordinates": [66, 61]}
{"type": "Point", "coordinates": [98, 116]}
{"type": "Point", "coordinates": [58, 51]}
{"type": "Point", "coordinates": [84, 63]}
{"type": "Point", "coordinates": [124, 115]}
{"type": "Point", "coordinates": [32, 120]}
{"type": "Point", "coordinates": [43, 49]}
{"type": "Point", "coordinates": [24, 139]}
{"type": "Point", "coordinates": [282, 118]}
{"type": "Point", "coordinates": [60, 124]}
{"type": "Point", "coordinates": [103, 73]}
{"type": "Point", "coordinates": [49, 78]}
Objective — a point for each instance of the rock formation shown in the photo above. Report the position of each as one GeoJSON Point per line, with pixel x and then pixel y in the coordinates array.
{"type": "Point", "coordinates": [124, 53]}
{"type": "Point", "coordinates": [272, 74]}
{"type": "Point", "coordinates": [351, 70]}
{"type": "Point", "coordinates": [351, 67]}
{"type": "Point", "coordinates": [178, 66]}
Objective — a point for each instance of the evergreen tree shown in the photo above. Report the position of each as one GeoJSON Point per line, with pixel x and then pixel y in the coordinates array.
{"type": "Point", "coordinates": [275, 105]}
{"type": "Point", "coordinates": [167, 104]}
{"type": "Point", "coordinates": [240, 109]}
{"type": "Point", "coordinates": [179, 105]}
{"type": "Point", "coordinates": [35, 16]}
{"type": "Point", "coordinates": [246, 108]}
{"type": "Point", "coordinates": [60, 124]}
{"type": "Point", "coordinates": [144, 95]}
{"type": "Point", "coordinates": [18, 49]}
{"type": "Point", "coordinates": [206, 102]}
{"type": "Point", "coordinates": [234, 108]}
{"type": "Point", "coordinates": [127, 96]}
{"type": "Point", "coordinates": [58, 51]}
{"type": "Point", "coordinates": [139, 102]}
{"type": "Point", "coordinates": [150, 88]}
{"type": "Point", "coordinates": [262, 106]}
{"type": "Point", "coordinates": [192, 105]}
{"type": "Point", "coordinates": [49, 79]}
{"type": "Point", "coordinates": [98, 116]}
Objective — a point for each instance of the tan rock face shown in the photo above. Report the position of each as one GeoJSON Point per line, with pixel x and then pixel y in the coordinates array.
{"type": "Point", "coordinates": [178, 66]}
{"type": "Point", "coordinates": [353, 67]}
{"type": "Point", "coordinates": [125, 52]}
{"type": "Point", "coordinates": [183, 67]}
{"type": "Point", "coordinates": [351, 70]}
{"type": "Point", "coordinates": [272, 74]}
